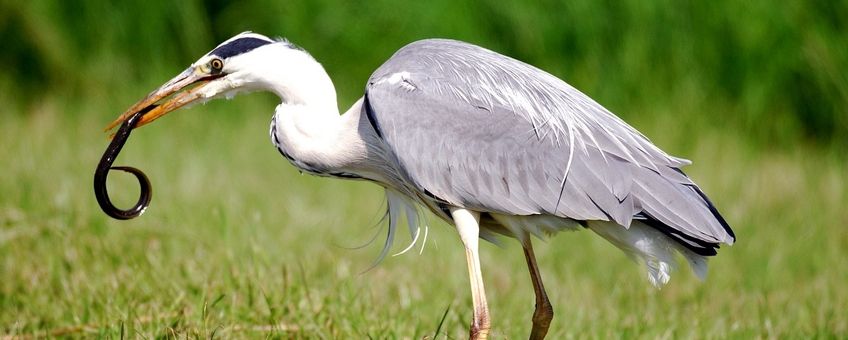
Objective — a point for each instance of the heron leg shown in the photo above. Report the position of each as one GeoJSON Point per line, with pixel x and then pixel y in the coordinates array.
{"type": "Point", "coordinates": [468, 225]}
{"type": "Point", "coordinates": [544, 311]}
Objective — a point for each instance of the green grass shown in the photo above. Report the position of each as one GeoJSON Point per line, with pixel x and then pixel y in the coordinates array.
{"type": "Point", "coordinates": [237, 244]}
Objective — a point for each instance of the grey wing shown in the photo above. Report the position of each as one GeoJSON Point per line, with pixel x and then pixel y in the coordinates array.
{"type": "Point", "coordinates": [490, 133]}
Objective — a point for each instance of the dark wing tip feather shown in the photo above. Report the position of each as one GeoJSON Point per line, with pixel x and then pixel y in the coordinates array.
{"type": "Point", "coordinates": [713, 210]}
{"type": "Point", "coordinates": [697, 246]}
{"type": "Point", "coordinates": [715, 213]}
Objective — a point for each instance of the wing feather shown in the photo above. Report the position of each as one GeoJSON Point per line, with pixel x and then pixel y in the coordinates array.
{"type": "Point", "coordinates": [483, 131]}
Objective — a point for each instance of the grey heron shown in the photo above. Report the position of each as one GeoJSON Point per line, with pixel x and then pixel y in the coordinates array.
{"type": "Point", "coordinates": [487, 143]}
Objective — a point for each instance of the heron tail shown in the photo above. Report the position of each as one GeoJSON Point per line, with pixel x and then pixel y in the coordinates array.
{"type": "Point", "coordinates": [650, 246]}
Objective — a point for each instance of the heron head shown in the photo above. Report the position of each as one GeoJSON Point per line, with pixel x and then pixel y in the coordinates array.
{"type": "Point", "coordinates": [237, 65]}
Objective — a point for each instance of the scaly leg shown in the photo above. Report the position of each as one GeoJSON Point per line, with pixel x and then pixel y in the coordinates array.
{"type": "Point", "coordinates": [468, 225]}
{"type": "Point", "coordinates": [544, 311]}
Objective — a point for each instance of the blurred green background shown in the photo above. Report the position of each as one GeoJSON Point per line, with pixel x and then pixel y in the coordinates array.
{"type": "Point", "coordinates": [238, 244]}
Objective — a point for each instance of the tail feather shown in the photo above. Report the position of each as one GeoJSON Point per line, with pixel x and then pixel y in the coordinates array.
{"type": "Point", "coordinates": [650, 246]}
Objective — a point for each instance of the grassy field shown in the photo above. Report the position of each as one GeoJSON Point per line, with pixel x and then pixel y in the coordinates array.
{"type": "Point", "coordinates": [238, 244]}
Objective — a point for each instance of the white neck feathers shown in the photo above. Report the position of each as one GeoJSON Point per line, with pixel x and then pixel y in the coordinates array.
{"type": "Point", "coordinates": [308, 128]}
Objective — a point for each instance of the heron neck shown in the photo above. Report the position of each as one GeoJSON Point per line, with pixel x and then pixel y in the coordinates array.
{"type": "Point", "coordinates": [316, 140]}
{"type": "Point", "coordinates": [299, 80]}
{"type": "Point", "coordinates": [307, 128]}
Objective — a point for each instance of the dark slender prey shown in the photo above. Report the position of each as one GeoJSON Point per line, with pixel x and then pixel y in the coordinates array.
{"type": "Point", "coordinates": [106, 164]}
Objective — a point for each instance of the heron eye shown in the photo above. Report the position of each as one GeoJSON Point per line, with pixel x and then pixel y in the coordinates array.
{"type": "Point", "coordinates": [217, 65]}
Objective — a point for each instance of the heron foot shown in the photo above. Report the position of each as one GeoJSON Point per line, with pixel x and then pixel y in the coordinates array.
{"type": "Point", "coordinates": [542, 319]}
{"type": "Point", "coordinates": [480, 327]}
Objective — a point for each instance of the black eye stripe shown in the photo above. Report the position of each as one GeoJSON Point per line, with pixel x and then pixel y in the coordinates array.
{"type": "Point", "coordinates": [238, 46]}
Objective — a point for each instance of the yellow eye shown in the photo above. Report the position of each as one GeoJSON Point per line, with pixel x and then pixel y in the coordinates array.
{"type": "Point", "coordinates": [217, 65]}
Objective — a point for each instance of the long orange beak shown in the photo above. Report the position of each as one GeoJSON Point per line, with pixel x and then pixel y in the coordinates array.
{"type": "Point", "coordinates": [180, 82]}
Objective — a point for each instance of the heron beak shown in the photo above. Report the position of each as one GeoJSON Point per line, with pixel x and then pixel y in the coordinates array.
{"type": "Point", "coordinates": [190, 76]}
